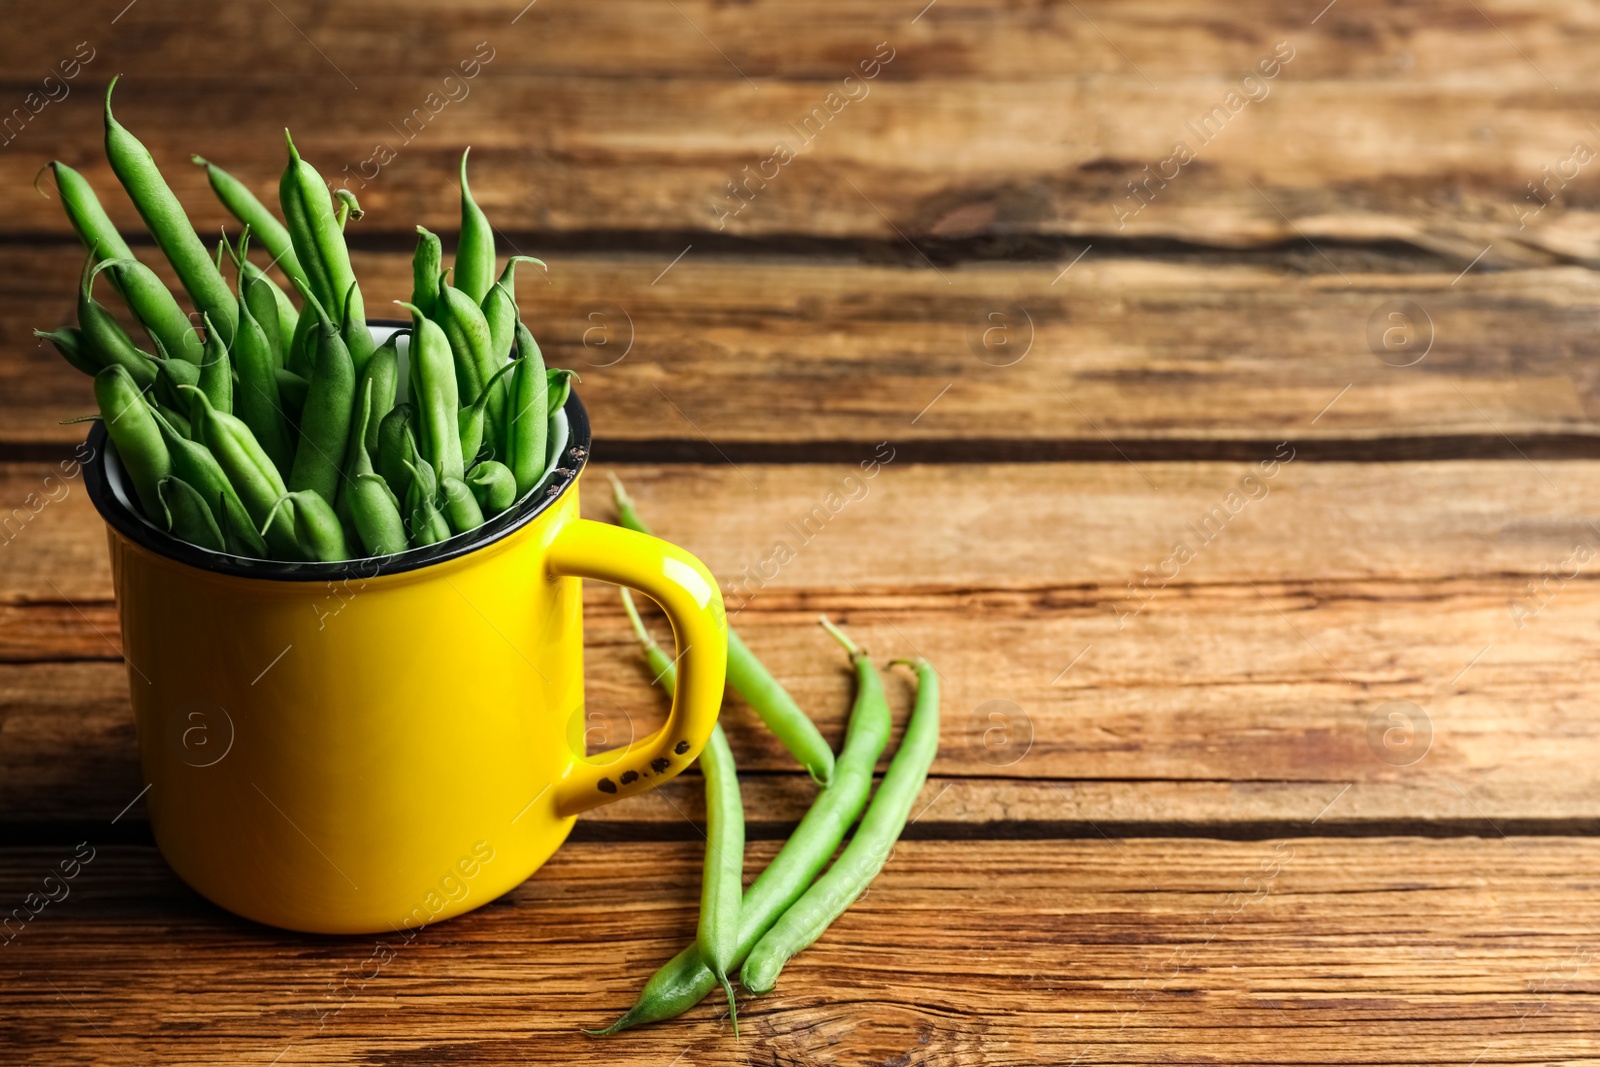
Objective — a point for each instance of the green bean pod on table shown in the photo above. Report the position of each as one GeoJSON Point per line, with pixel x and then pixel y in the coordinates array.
{"type": "Point", "coordinates": [838, 887]}
{"type": "Point", "coordinates": [683, 981]}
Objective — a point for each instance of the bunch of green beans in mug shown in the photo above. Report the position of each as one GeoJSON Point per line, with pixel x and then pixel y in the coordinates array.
{"type": "Point", "coordinates": [270, 425]}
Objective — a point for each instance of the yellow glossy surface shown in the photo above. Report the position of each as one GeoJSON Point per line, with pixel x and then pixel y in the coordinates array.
{"type": "Point", "coordinates": [393, 751]}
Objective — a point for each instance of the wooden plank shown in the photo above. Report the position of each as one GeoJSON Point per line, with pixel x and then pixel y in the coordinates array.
{"type": "Point", "coordinates": [725, 354]}
{"type": "Point", "coordinates": [1291, 951]}
{"type": "Point", "coordinates": [1416, 123]}
{"type": "Point", "coordinates": [1263, 667]}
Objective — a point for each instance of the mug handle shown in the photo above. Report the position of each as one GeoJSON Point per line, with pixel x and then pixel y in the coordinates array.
{"type": "Point", "coordinates": [689, 595]}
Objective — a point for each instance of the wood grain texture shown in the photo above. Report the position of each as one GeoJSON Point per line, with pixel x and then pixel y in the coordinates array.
{"type": "Point", "coordinates": [1288, 951]}
{"type": "Point", "coordinates": [1418, 123]}
{"type": "Point", "coordinates": [1244, 691]}
{"type": "Point", "coordinates": [726, 353]}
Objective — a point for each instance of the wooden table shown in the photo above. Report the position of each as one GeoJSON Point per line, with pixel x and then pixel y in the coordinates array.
{"type": "Point", "coordinates": [1319, 787]}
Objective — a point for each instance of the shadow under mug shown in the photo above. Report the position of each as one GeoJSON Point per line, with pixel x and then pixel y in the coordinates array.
{"type": "Point", "coordinates": [380, 744]}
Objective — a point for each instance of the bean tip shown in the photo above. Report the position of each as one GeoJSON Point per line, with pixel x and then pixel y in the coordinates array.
{"type": "Point", "coordinates": [619, 495]}
{"type": "Point", "coordinates": [840, 636]}
{"type": "Point", "coordinates": [51, 167]}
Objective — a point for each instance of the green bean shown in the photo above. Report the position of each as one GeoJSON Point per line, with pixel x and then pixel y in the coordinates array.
{"type": "Point", "coordinates": [292, 391]}
{"type": "Point", "coordinates": [325, 418]}
{"type": "Point", "coordinates": [258, 292]}
{"type": "Point", "coordinates": [105, 342]}
{"type": "Point", "coordinates": [861, 860]}
{"type": "Point", "coordinates": [527, 424]}
{"type": "Point", "coordinates": [752, 681]}
{"type": "Point", "coordinates": [426, 266]}
{"type": "Point", "coordinates": [170, 375]}
{"type": "Point", "coordinates": [500, 309]}
{"type": "Point", "coordinates": [560, 388]}
{"type": "Point", "coordinates": [461, 509]}
{"type": "Point", "coordinates": [88, 218]}
{"type": "Point", "coordinates": [354, 331]}
{"type": "Point", "coordinates": [374, 511]}
{"type": "Point", "coordinates": [298, 356]}
{"type": "Point", "coordinates": [434, 378]}
{"type": "Point", "coordinates": [69, 342]}
{"type": "Point", "coordinates": [165, 218]}
{"type": "Point", "coordinates": [468, 333]}
{"type": "Point", "coordinates": [257, 401]}
{"type": "Point", "coordinates": [494, 485]}
{"type": "Point", "coordinates": [195, 464]}
{"type": "Point", "coordinates": [133, 430]}
{"type": "Point", "coordinates": [427, 524]}
{"type": "Point", "coordinates": [319, 243]}
{"type": "Point", "coordinates": [383, 371]}
{"type": "Point", "coordinates": [177, 418]}
{"type": "Point", "coordinates": [243, 205]}
{"type": "Point", "coordinates": [216, 369]}
{"type": "Point", "coordinates": [249, 469]}
{"type": "Point", "coordinates": [153, 305]}
{"type": "Point", "coordinates": [723, 878]}
{"type": "Point", "coordinates": [503, 318]}
{"type": "Point", "coordinates": [472, 418]}
{"type": "Point", "coordinates": [475, 252]}
{"type": "Point", "coordinates": [187, 516]}
{"type": "Point", "coordinates": [317, 532]}
{"type": "Point", "coordinates": [284, 317]}
{"type": "Point", "coordinates": [147, 297]}
{"type": "Point", "coordinates": [395, 446]}
{"type": "Point", "coordinates": [683, 981]}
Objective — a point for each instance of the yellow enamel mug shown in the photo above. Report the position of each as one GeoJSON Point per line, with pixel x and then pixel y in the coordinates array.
{"type": "Point", "coordinates": [380, 744]}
